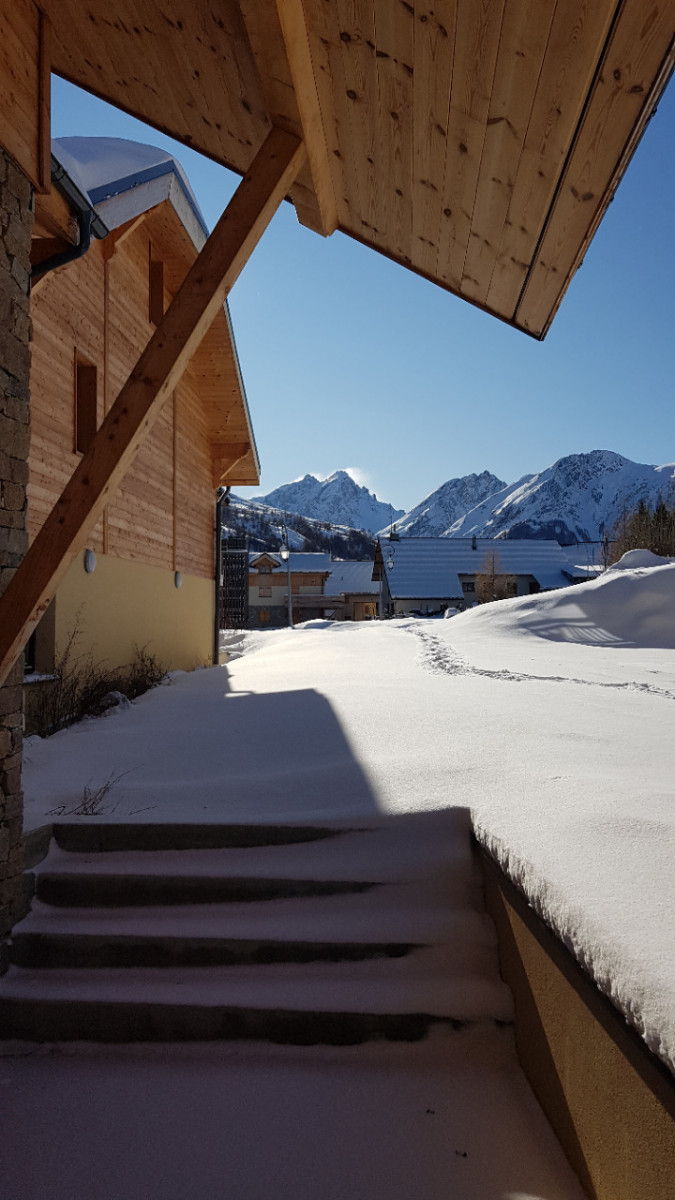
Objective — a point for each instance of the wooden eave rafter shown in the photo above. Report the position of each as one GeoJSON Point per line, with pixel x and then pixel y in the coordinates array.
{"type": "Point", "coordinates": [55, 227]}
{"type": "Point", "coordinates": [478, 144]}
{"type": "Point", "coordinates": [189, 316]}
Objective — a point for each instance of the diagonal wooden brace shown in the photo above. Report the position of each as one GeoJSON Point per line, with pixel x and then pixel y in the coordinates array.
{"type": "Point", "coordinates": [154, 377]}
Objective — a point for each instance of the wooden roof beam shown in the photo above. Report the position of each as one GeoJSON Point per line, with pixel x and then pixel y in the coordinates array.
{"type": "Point", "coordinates": [279, 41]}
{"type": "Point", "coordinates": [152, 380]}
{"type": "Point", "coordinates": [296, 40]}
{"type": "Point", "coordinates": [225, 458]}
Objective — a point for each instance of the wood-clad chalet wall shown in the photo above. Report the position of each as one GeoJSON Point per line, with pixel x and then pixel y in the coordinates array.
{"type": "Point", "coordinates": [98, 308]}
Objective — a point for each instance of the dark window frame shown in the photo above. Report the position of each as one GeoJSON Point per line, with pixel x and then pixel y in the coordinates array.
{"type": "Point", "coordinates": [85, 415]}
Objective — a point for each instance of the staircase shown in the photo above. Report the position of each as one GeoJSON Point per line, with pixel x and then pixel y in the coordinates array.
{"type": "Point", "coordinates": [291, 934]}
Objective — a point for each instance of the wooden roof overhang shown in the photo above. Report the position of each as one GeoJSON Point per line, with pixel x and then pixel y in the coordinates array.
{"type": "Point", "coordinates": [478, 142]}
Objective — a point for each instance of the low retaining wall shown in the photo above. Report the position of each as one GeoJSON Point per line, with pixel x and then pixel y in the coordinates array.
{"type": "Point", "coordinates": [610, 1101]}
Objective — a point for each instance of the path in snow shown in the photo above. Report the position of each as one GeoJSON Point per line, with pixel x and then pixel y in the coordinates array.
{"type": "Point", "coordinates": [440, 657]}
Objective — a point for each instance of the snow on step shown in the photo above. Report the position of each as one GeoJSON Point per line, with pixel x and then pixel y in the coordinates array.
{"type": "Point", "coordinates": [396, 940]}
{"type": "Point", "coordinates": [393, 914]}
{"type": "Point", "coordinates": [422, 982]}
{"type": "Point", "coordinates": [393, 851]}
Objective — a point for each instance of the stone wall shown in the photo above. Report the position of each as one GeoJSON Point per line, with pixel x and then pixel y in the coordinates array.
{"type": "Point", "coordinates": [16, 223]}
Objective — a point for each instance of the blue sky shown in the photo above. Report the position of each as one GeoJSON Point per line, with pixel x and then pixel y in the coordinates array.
{"type": "Point", "coordinates": [352, 361]}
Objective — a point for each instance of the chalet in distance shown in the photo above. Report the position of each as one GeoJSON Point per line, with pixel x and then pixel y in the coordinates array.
{"type": "Point", "coordinates": [430, 574]}
{"type": "Point", "coordinates": [268, 587]}
{"type": "Point", "coordinates": [320, 587]}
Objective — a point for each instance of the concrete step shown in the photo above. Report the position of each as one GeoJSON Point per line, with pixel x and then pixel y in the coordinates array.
{"type": "Point", "coordinates": [92, 837]}
{"type": "Point", "coordinates": [72, 888]}
{"type": "Point", "coordinates": [421, 981]}
{"type": "Point", "coordinates": [114, 1022]}
{"type": "Point", "coordinates": [389, 913]}
{"type": "Point", "coordinates": [90, 951]}
{"type": "Point", "coordinates": [338, 1002]}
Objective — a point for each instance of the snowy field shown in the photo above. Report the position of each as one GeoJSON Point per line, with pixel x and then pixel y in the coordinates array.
{"type": "Point", "coordinates": [550, 718]}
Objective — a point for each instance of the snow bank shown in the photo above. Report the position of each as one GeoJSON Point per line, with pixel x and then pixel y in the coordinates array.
{"type": "Point", "coordinates": [639, 558]}
{"type": "Point", "coordinates": [632, 605]}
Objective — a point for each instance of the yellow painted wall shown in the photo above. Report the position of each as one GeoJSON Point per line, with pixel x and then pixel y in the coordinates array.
{"type": "Point", "coordinates": [125, 604]}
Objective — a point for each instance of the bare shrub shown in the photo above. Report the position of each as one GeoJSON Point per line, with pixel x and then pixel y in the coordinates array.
{"type": "Point", "coordinates": [81, 687]}
{"type": "Point", "coordinates": [91, 804]}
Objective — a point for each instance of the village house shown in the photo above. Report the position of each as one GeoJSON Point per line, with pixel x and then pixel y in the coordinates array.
{"type": "Point", "coordinates": [268, 587]}
{"type": "Point", "coordinates": [478, 146]}
{"type": "Point", "coordinates": [353, 583]}
{"type": "Point", "coordinates": [428, 575]}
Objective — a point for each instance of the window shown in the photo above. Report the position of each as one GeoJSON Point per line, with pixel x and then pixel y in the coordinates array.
{"type": "Point", "coordinates": [155, 289]}
{"type": "Point", "coordinates": [264, 591]}
{"type": "Point", "coordinates": [85, 403]}
{"type": "Point", "coordinates": [264, 569]}
{"type": "Point", "coordinates": [468, 587]}
{"type": "Point", "coordinates": [264, 616]}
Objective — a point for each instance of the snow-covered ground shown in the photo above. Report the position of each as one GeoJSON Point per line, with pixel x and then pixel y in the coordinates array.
{"type": "Point", "coordinates": [550, 718]}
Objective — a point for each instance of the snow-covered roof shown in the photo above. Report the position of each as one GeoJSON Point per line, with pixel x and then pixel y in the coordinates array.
{"type": "Point", "coordinates": [431, 567]}
{"type": "Point", "coordinates": [352, 578]}
{"type": "Point", "coordinates": [298, 560]}
{"type": "Point", "coordinates": [124, 179]}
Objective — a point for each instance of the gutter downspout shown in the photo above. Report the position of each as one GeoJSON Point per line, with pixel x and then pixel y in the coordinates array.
{"type": "Point", "coordinates": [88, 222]}
{"type": "Point", "coordinates": [223, 500]}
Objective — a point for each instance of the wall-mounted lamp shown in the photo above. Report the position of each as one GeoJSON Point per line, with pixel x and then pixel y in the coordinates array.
{"type": "Point", "coordinates": [89, 561]}
{"type": "Point", "coordinates": [178, 579]}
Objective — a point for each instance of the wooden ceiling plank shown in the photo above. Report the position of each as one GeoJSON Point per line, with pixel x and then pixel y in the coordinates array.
{"type": "Point", "coordinates": [296, 38]}
{"type": "Point", "coordinates": [350, 36]}
{"type": "Point", "coordinates": [522, 46]}
{"type": "Point", "coordinates": [140, 401]}
{"type": "Point", "coordinates": [394, 40]}
{"type": "Point", "coordinates": [218, 87]}
{"type": "Point", "coordinates": [578, 28]}
{"type": "Point", "coordinates": [476, 44]}
{"type": "Point", "coordinates": [629, 82]}
{"type": "Point", "coordinates": [104, 43]}
{"type": "Point", "coordinates": [434, 45]}
{"type": "Point", "coordinates": [146, 46]}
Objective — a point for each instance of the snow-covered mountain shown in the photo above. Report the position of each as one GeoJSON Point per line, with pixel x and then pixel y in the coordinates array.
{"type": "Point", "coordinates": [578, 498]}
{"type": "Point", "coordinates": [337, 499]}
{"type": "Point", "coordinates": [433, 516]}
{"type": "Point", "coordinates": [267, 528]}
